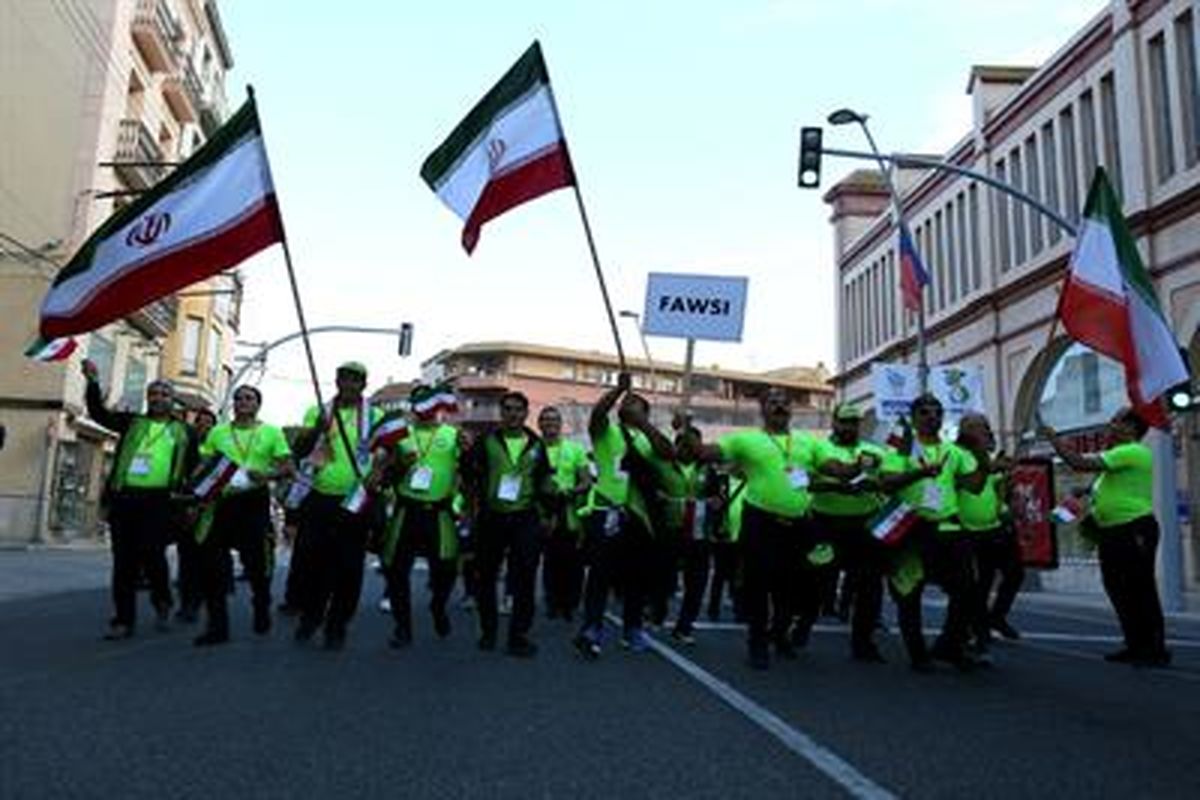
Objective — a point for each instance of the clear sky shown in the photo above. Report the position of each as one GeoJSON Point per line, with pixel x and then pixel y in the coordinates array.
{"type": "Point", "coordinates": [682, 119]}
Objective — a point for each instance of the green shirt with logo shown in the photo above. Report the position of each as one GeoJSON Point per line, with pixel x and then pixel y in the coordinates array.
{"type": "Point", "coordinates": [1124, 491]}
{"type": "Point", "coordinates": [335, 474]}
{"type": "Point", "coordinates": [846, 504]}
{"type": "Point", "coordinates": [153, 456]}
{"type": "Point", "coordinates": [935, 498]}
{"type": "Point", "coordinates": [432, 476]}
{"type": "Point", "coordinates": [257, 448]}
{"type": "Point", "coordinates": [777, 468]}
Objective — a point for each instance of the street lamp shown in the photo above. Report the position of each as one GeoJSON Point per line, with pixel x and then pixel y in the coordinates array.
{"type": "Point", "coordinates": [637, 320]}
{"type": "Point", "coordinates": [848, 116]}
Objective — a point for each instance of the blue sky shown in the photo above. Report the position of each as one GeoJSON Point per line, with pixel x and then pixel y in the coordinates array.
{"type": "Point", "coordinates": [682, 119]}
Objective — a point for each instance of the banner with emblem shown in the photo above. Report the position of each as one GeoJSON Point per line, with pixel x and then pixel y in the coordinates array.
{"type": "Point", "coordinates": [959, 388]}
{"type": "Point", "coordinates": [214, 211]}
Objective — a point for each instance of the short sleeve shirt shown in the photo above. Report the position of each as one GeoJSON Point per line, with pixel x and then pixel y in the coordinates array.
{"type": "Point", "coordinates": [336, 475]}
{"type": "Point", "coordinates": [844, 504]}
{"type": "Point", "coordinates": [257, 448]}
{"type": "Point", "coordinates": [776, 467]}
{"type": "Point", "coordinates": [1124, 491]}
{"type": "Point", "coordinates": [980, 512]}
{"type": "Point", "coordinates": [432, 476]}
{"type": "Point", "coordinates": [150, 467]}
{"type": "Point", "coordinates": [612, 481]}
{"type": "Point", "coordinates": [935, 498]}
{"type": "Point", "coordinates": [566, 458]}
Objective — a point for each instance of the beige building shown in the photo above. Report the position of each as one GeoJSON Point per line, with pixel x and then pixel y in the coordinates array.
{"type": "Point", "coordinates": [573, 380]}
{"type": "Point", "coordinates": [97, 99]}
{"type": "Point", "coordinates": [1122, 92]}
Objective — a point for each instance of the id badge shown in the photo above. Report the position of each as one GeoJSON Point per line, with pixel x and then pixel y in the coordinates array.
{"type": "Point", "coordinates": [698, 516]}
{"type": "Point", "coordinates": [931, 496]}
{"type": "Point", "coordinates": [139, 465]}
{"type": "Point", "coordinates": [612, 522]}
{"type": "Point", "coordinates": [421, 479]}
{"type": "Point", "coordinates": [240, 480]}
{"type": "Point", "coordinates": [510, 487]}
{"type": "Point", "coordinates": [798, 478]}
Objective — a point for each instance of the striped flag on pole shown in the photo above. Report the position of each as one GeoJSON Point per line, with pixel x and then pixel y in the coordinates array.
{"type": "Point", "coordinates": [388, 432]}
{"type": "Point", "coordinates": [215, 476]}
{"type": "Point", "coordinates": [893, 522]}
{"type": "Point", "coordinates": [51, 350]}
{"type": "Point", "coordinates": [913, 275]}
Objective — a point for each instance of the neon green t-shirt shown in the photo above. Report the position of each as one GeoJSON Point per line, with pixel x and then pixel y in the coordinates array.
{"type": "Point", "coordinates": [336, 475]}
{"type": "Point", "coordinates": [612, 481]}
{"type": "Point", "coordinates": [846, 504]}
{"type": "Point", "coordinates": [433, 476]}
{"type": "Point", "coordinates": [936, 498]}
{"type": "Point", "coordinates": [566, 458]}
{"type": "Point", "coordinates": [258, 448]}
{"type": "Point", "coordinates": [981, 512]}
{"type": "Point", "coordinates": [1125, 490]}
{"type": "Point", "coordinates": [733, 515]}
{"type": "Point", "coordinates": [150, 467]}
{"type": "Point", "coordinates": [776, 466]}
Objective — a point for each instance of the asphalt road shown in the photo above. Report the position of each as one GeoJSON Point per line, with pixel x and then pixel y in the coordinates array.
{"type": "Point", "coordinates": [261, 717]}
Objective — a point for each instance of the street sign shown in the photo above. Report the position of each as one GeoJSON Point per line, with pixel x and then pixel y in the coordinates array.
{"type": "Point", "coordinates": [710, 307]}
{"type": "Point", "coordinates": [406, 334]}
{"type": "Point", "coordinates": [896, 385]}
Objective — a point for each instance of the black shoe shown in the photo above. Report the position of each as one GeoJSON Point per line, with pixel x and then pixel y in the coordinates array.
{"type": "Point", "coordinates": [1122, 656]}
{"type": "Point", "coordinates": [162, 619]}
{"type": "Point", "coordinates": [186, 615]}
{"type": "Point", "coordinates": [400, 638]}
{"type": "Point", "coordinates": [587, 644]}
{"type": "Point", "coordinates": [262, 621]}
{"type": "Point", "coordinates": [952, 655]}
{"type": "Point", "coordinates": [1155, 660]}
{"type": "Point", "coordinates": [209, 638]}
{"type": "Point", "coordinates": [304, 632]}
{"type": "Point", "coordinates": [117, 632]}
{"type": "Point", "coordinates": [521, 647]}
{"type": "Point", "coordinates": [868, 654]}
{"type": "Point", "coordinates": [441, 624]}
{"type": "Point", "coordinates": [487, 642]}
{"type": "Point", "coordinates": [1000, 625]}
{"type": "Point", "coordinates": [799, 636]}
{"type": "Point", "coordinates": [335, 638]}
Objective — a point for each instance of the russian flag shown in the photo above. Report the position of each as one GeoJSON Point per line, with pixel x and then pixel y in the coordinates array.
{"type": "Point", "coordinates": [913, 275]}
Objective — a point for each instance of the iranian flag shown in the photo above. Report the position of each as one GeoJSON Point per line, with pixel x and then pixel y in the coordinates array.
{"type": "Point", "coordinates": [893, 522]}
{"type": "Point", "coordinates": [214, 211]}
{"type": "Point", "coordinates": [389, 432]}
{"type": "Point", "coordinates": [1109, 304]}
{"type": "Point", "coordinates": [214, 477]}
{"type": "Point", "coordinates": [52, 350]}
{"type": "Point", "coordinates": [509, 150]}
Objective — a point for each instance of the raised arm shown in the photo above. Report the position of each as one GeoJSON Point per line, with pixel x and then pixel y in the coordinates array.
{"type": "Point", "coordinates": [604, 406]}
{"type": "Point", "coordinates": [115, 421]}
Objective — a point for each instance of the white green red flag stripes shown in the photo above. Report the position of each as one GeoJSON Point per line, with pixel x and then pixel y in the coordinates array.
{"type": "Point", "coordinates": [215, 210]}
{"type": "Point", "coordinates": [1071, 509]}
{"type": "Point", "coordinates": [508, 150]}
{"type": "Point", "coordinates": [893, 522]}
{"type": "Point", "coordinates": [1109, 304]}
{"type": "Point", "coordinates": [428, 399]}
{"type": "Point", "coordinates": [388, 432]}
{"type": "Point", "coordinates": [214, 477]}
{"type": "Point", "coordinates": [52, 350]}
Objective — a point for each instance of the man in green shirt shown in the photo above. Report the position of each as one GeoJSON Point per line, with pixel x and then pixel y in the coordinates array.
{"type": "Point", "coordinates": [777, 463]}
{"type": "Point", "coordinates": [1123, 522]}
{"type": "Point", "coordinates": [331, 539]}
{"type": "Point", "coordinates": [840, 516]}
{"type": "Point", "coordinates": [152, 459]}
{"type": "Point", "coordinates": [426, 481]}
{"type": "Point", "coordinates": [726, 549]}
{"type": "Point", "coordinates": [928, 474]}
{"type": "Point", "coordinates": [187, 551]}
{"type": "Point", "coordinates": [508, 476]}
{"type": "Point", "coordinates": [241, 516]}
{"type": "Point", "coordinates": [562, 571]}
{"type": "Point", "coordinates": [690, 525]}
{"type": "Point", "coordinates": [619, 539]}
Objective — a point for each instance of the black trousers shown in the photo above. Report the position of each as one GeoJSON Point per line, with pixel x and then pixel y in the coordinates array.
{"type": "Point", "coordinates": [1127, 554]}
{"type": "Point", "coordinates": [861, 557]}
{"type": "Point", "coordinates": [620, 559]}
{"type": "Point", "coordinates": [241, 522]}
{"type": "Point", "coordinates": [726, 561]}
{"type": "Point", "coordinates": [695, 557]}
{"type": "Point", "coordinates": [512, 539]}
{"type": "Point", "coordinates": [996, 553]}
{"type": "Point", "coordinates": [300, 564]}
{"type": "Point", "coordinates": [190, 570]}
{"type": "Point", "coordinates": [772, 547]}
{"type": "Point", "coordinates": [139, 526]}
{"type": "Point", "coordinates": [332, 573]}
{"type": "Point", "coordinates": [562, 573]}
{"type": "Point", "coordinates": [947, 563]}
{"type": "Point", "coordinates": [419, 536]}
{"type": "Point", "coordinates": [664, 553]}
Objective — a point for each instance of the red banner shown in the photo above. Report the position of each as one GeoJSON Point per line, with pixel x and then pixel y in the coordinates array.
{"type": "Point", "coordinates": [1032, 499]}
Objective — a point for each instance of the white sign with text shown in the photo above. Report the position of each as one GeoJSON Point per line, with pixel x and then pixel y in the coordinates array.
{"type": "Point", "coordinates": [710, 307]}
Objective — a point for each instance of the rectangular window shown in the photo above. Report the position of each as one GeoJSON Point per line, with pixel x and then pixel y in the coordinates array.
{"type": "Point", "coordinates": [1160, 109]}
{"type": "Point", "coordinates": [1112, 133]}
{"type": "Point", "coordinates": [1018, 183]}
{"type": "Point", "coordinates": [214, 355]}
{"type": "Point", "coordinates": [964, 248]}
{"type": "Point", "coordinates": [134, 386]}
{"type": "Point", "coordinates": [1033, 187]}
{"type": "Point", "coordinates": [1070, 165]}
{"type": "Point", "coordinates": [952, 290]}
{"type": "Point", "coordinates": [103, 353]}
{"type": "Point", "coordinates": [1090, 155]}
{"type": "Point", "coordinates": [976, 259]}
{"type": "Point", "coordinates": [877, 291]}
{"type": "Point", "coordinates": [890, 293]}
{"type": "Point", "coordinates": [189, 356]}
{"type": "Point", "coordinates": [1050, 179]}
{"type": "Point", "coordinates": [843, 324]}
{"type": "Point", "coordinates": [1189, 86]}
{"type": "Point", "coordinates": [1000, 215]}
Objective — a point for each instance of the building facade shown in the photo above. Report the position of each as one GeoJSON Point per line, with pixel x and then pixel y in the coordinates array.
{"type": "Point", "coordinates": [573, 380]}
{"type": "Point", "coordinates": [98, 99]}
{"type": "Point", "coordinates": [1122, 93]}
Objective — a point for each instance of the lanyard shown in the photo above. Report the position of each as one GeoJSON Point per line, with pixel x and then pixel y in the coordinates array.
{"type": "Point", "coordinates": [785, 452]}
{"type": "Point", "coordinates": [512, 463]}
{"type": "Point", "coordinates": [146, 445]}
{"type": "Point", "coordinates": [244, 450]}
{"type": "Point", "coordinates": [423, 449]}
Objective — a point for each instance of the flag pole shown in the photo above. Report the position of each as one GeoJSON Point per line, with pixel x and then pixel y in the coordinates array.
{"type": "Point", "coordinates": [587, 228]}
{"type": "Point", "coordinates": [287, 259]}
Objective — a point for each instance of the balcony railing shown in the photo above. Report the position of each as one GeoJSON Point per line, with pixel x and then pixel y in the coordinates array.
{"type": "Point", "coordinates": [136, 145]}
{"type": "Point", "coordinates": [155, 32]}
{"type": "Point", "coordinates": [157, 319]}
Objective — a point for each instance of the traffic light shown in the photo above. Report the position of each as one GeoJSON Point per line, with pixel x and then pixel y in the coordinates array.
{"type": "Point", "coordinates": [406, 334]}
{"type": "Point", "coordinates": [810, 158]}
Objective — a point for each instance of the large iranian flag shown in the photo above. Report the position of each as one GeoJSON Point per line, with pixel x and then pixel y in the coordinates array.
{"type": "Point", "coordinates": [214, 211]}
{"type": "Point", "coordinates": [509, 150]}
{"type": "Point", "coordinates": [1109, 304]}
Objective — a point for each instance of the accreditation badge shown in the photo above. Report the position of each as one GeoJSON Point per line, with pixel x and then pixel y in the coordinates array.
{"type": "Point", "coordinates": [139, 465]}
{"type": "Point", "coordinates": [798, 478]}
{"type": "Point", "coordinates": [509, 488]}
{"type": "Point", "coordinates": [421, 479]}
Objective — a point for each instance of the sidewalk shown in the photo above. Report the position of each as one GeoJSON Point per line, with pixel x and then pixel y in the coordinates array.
{"type": "Point", "coordinates": [39, 570]}
{"type": "Point", "coordinates": [1099, 602]}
